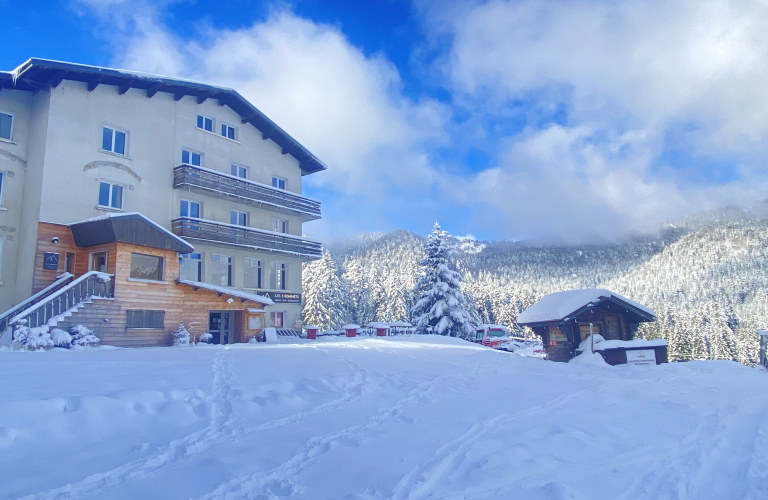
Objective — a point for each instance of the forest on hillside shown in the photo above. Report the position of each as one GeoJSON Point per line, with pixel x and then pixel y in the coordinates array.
{"type": "Point", "coordinates": [706, 277]}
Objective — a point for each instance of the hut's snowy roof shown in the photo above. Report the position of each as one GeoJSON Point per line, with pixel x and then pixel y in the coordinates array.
{"type": "Point", "coordinates": [560, 305]}
{"type": "Point", "coordinates": [351, 326]}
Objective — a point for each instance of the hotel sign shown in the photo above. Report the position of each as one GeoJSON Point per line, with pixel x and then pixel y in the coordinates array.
{"type": "Point", "coordinates": [282, 297]}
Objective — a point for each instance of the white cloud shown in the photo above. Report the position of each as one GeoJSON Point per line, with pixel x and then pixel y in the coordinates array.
{"type": "Point", "coordinates": [635, 75]}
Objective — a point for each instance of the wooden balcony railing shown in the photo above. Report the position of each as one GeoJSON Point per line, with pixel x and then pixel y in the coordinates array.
{"type": "Point", "coordinates": [190, 228]}
{"type": "Point", "coordinates": [247, 192]}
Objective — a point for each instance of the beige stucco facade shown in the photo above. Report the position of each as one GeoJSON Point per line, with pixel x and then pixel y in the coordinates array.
{"type": "Point", "coordinates": [53, 165]}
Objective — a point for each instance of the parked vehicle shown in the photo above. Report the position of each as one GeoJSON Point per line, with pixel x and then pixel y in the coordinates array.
{"type": "Point", "coordinates": [498, 337]}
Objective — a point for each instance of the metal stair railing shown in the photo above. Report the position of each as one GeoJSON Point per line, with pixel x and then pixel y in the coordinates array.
{"type": "Point", "coordinates": [60, 282]}
{"type": "Point", "coordinates": [91, 284]}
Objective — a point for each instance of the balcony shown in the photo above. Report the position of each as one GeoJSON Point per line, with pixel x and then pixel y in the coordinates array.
{"type": "Point", "coordinates": [226, 186]}
{"type": "Point", "coordinates": [190, 228]}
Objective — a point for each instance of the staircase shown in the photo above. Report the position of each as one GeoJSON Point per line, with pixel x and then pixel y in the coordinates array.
{"type": "Point", "coordinates": [59, 302]}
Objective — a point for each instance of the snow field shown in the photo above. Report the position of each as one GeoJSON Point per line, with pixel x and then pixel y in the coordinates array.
{"type": "Point", "coordinates": [365, 418]}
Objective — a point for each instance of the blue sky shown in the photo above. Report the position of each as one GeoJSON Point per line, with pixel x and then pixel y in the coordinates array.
{"type": "Point", "coordinates": [569, 120]}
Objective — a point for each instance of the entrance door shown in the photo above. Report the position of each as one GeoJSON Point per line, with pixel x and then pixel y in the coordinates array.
{"type": "Point", "coordinates": [221, 326]}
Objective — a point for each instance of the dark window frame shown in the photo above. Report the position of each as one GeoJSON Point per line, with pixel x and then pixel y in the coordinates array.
{"type": "Point", "coordinates": [144, 319]}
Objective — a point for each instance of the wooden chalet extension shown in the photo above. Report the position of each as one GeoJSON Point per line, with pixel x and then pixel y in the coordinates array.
{"type": "Point", "coordinates": [563, 319]}
{"type": "Point", "coordinates": [146, 299]}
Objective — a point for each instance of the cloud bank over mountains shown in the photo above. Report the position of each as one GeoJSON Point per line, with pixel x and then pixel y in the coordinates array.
{"type": "Point", "coordinates": [596, 117]}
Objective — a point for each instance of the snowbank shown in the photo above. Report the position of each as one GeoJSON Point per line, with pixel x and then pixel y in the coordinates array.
{"type": "Point", "coordinates": [413, 417]}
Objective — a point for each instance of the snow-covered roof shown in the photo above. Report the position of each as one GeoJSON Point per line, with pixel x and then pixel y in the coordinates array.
{"type": "Point", "coordinates": [96, 236]}
{"type": "Point", "coordinates": [374, 324]}
{"type": "Point", "coordinates": [310, 327]}
{"type": "Point", "coordinates": [350, 326]}
{"type": "Point", "coordinates": [560, 305]}
{"type": "Point", "coordinates": [491, 327]}
{"type": "Point", "coordinates": [227, 291]}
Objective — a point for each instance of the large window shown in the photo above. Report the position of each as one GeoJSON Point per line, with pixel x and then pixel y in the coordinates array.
{"type": "Point", "coordinates": [6, 125]}
{"type": "Point", "coordinates": [278, 278]}
{"type": "Point", "coordinates": [135, 318]}
{"type": "Point", "coordinates": [2, 178]}
{"type": "Point", "coordinates": [227, 131]}
{"type": "Point", "coordinates": [191, 158]}
{"type": "Point", "coordinates": [239, 171]}
{"type": "Point", "coordinates": [191, 266]}
{"type": "Point", "coordinates": [280, 225]}
{"type": "Point", "coordinates": [204, 123]}
{"type": "Point", "coordinates": [221, 270]}
{"type": "Point", "coordinates": [252, 273]}
{"type": "Point", "coordinates": [110, 195]}
{"type": "Point", "coordinates": [238, 218]}
{"type": "Point", "coordinates": [146, 267]}
{"type": "Point", "coordinates": [189, 209]}
{"type": "Point", "coordinates": [113, 140]}
{"type": "Point", "coordinates": [278, 182]}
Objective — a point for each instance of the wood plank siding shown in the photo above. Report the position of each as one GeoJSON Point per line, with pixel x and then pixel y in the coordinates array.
{"type": "Point", "coordinates": [107, 318]}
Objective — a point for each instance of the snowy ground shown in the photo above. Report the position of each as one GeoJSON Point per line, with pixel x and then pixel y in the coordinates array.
{"type": "Point", "coordinates": [402, 418]}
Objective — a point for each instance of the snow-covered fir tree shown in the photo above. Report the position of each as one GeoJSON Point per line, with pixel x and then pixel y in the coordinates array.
{"type": "Point", "coordinates": [441, 307]}
{"type": "Point", "coordinates": [325, 300]}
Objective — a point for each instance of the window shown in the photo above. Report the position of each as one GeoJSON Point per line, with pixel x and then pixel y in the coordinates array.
{"type": "Point", "coordinates": [6, 125]}
{"type": "Point", "coordinates": [227, 131]}
{"type": "Point", "coordinates": [204, 123]}
{"type": "Point", "coordinates": [190, 158]}
{"type": "Point", "coordinates": [252, 273]}
{"type": "Point", "coordinates": [278, 182]}
{"type": "Point", "coordinates": [278, 319]}
{"type": "Point", "coordinates": [146, 267]}
{"type": "Point", "coordinates": [2, 241]}
{"type": "Point", "coordinates": [189, 209]}
{"type": "Point", "coordinates": [2, 178]}
{"type": "Point", "coordinates": [110, 195]}
{"type": "Point", "coordinates": [69, 263]}
{"type": "Point", "coordinates": [113, 140]}
{"type": "Point", "coordinates": [238, 218]}
{"type": "Point", "coordinates": [191, 266]}
{"type": "Point", "coordinates": [279, 277]}
{"type": "Point", "coordinates": [98, 262]}
{"type": "Point", "coordinates": [144, 319]}
{"type": "Point", "coordinates": [221, 270]}
{"type": "Point", "coordinates": [280, 226]}
{"type": "Point", "coordinates": [239, 171]}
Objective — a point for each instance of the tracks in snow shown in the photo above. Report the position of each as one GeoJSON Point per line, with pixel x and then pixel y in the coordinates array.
{"type": "Point", "coordinates": [278, 480]}
{"type": "Point", "coordinates": [220, 430]}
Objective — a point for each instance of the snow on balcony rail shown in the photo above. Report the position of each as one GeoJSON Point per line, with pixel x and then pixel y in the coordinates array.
{"type": "Point", "coordinates": [186, 175]}
{"type": "Point", "coordinates": [243, 236]}
{"type": "Point", "coordinates": [91, 284]}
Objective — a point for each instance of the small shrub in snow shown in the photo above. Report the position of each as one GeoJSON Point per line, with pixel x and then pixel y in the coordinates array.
{"type": "Point", "coordinates": [61, 338]}
{"type": "Point", "coordinates": [206, 338]}
{"type": "Point", "coordinates": [83, 337]}
{"type": "Point", "coordinates": [181, 336]}
{"type": "Point", "coordinates": [31, 338]}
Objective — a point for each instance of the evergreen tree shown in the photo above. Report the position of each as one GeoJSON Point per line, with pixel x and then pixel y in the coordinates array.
{"type": "Point", "coordinates": [325, 299]}
{"type": "Point", "coordinates": [441, 307]}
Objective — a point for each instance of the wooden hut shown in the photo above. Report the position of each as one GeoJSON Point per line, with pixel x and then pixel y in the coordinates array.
{"type": "Point", "coordinates": [564, 319]}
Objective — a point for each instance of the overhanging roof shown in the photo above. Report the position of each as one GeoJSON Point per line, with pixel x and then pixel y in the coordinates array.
{"type": "Point", "coordinates": [42, 74]}
{"type": "Point", "coordinates": [561, 306]}
{"type": "Point", "coordinates": [129, 227]}
{"type": "Point", "coordinates": [227, 291]}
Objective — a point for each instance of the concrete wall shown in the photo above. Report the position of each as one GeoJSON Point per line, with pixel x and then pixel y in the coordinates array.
{"type": "Point", "coordinates": [13, 165]}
